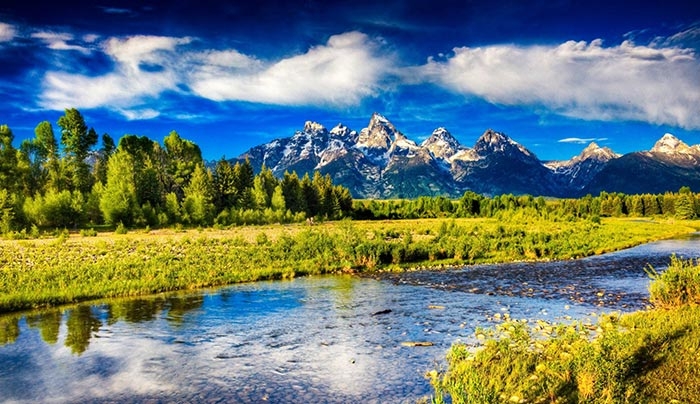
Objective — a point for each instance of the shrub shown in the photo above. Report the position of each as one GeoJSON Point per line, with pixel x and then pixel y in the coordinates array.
{"type": "Point", "coordinates": [676, 286]}
{"type": "Point", "coordinates": [88, 232]}
{"type": "Point", "coordinates": [121, 229]}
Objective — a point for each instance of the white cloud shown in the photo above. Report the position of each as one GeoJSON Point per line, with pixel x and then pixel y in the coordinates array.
{"type": "Point", "coordinates": [7, 32]}
{"type": "Point", "coordinates": [579, 79]}
{"type": "Point", "coordinates": [578, 140]}
{"type": "Point", "coordinates": [59, 41]}
{"type": "Point", "coordinates": [339, 73]}
{"type": "Point", "coordinates": [124, 89]}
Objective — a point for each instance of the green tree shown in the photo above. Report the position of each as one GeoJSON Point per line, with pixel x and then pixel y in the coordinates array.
{"type": "Point", "coordinates": [684, 206]}
{"type": "Point", "coordinates": [7, 211]}
{"type": "Point", "coordinates": [636, 205]}
{"type": "Point", "coordinates": [244, 178]}
{"type": "Point", "coordinates": [8, 160]}
{"type": "Point", "coordinates": [277, 201]}
{"type": "Point", "coordinates": [118, 202]}
{"type": "Point", "coordinates": [224, 183]}
{"type": "Point", "coordinates": [311, 192]}
{"type": "Point", "coordinates": [77, 141]}
{"type": "Point", "coordinates": [182, 156]}
{"type": "Point", "coordinates": [144, 154]}
{"type": "Point", "coordinates": [199, 193]}
{"type": "Point", "coordinates": [291, 189]}
{"type": "Point", "coordinates": [55, 208]}
{"type": "Point", "coordinates": [105, 152]}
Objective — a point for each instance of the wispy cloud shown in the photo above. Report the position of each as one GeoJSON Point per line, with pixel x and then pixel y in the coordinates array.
{"type": "Point", "coordinates": [115, 10]}
{"type": "Point", "coordinates": [59, 41]}
{"type": "Point", "coordinates": [145, 66]}
{"type": "Point", "coordinates": [7, 32]}
{"type": "Point", "coordinates": [342, 72]}
{"type": "Point", "coordinates": [578, 140]}
{"type": "Point", "coordinates": [579, 79]}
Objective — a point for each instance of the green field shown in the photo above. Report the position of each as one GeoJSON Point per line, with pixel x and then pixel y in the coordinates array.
{"type": "Point", "coordinates": [70, 268]}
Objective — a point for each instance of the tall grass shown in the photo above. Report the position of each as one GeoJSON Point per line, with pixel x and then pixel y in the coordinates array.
{"type": "Point", "coordinates": [643, 357]}
{"type": "Point", "coordinates": [676, 286]}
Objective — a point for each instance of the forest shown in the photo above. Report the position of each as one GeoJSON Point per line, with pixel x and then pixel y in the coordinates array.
{"type": "Point", "coordinates": [137, 182]}
{"type": "Point", "coordinates": [59, 182]}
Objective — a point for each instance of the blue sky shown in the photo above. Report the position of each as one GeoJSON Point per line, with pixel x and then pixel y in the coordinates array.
{"type": "Point", "coordinates": [553, 75]}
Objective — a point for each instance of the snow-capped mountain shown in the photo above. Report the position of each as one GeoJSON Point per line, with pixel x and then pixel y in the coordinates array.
{"type": "Point", "coordinates": [671, 149]}
{"type": "Point", "coordinates": [580, 170]}
{"type": "Point", "coordinates": [381, 162]}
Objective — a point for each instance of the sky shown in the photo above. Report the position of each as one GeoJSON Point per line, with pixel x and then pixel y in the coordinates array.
{"type": "Point", "coordinates": [553, 75]}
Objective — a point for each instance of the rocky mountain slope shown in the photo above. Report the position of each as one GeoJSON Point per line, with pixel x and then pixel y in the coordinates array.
{"type": "Point", "coordinates": [381, 162]}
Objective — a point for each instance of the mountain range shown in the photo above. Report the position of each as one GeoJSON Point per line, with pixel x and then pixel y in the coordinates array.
{"type": "Point", "coordinates": [381, 162]}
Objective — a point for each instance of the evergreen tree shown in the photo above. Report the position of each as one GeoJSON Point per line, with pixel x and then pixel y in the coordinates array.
{"type": "Point", "coordinates": [8, 160]}
{"type": "Point", "coordinates": [224, 184]}
{"type": "Point", "coordinates": [77, 141]}
{"type": "Point", "coordinates": [291, 189]}
{"type": "Point", "coordinates": [311, 195]}
{"type": "Point", "coordinates": [105, 153]}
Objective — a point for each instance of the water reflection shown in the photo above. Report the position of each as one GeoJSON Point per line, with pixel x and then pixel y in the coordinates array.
{"type": "Point", "coordinates": [307, 340]}
{"type": "Point", "coordinates": [9, 330]}
{"type": "Point", "coordinates": [83, 322]}
{"type": "Point", "coordinates": [48, 323]}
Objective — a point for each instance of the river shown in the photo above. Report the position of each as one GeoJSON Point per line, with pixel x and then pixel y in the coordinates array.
{"type": "Point", "coordinates": [331, 339]}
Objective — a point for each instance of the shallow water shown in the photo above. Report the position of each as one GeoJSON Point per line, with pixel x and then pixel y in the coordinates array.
{"type": "Point", "coordinates": [320, 339]}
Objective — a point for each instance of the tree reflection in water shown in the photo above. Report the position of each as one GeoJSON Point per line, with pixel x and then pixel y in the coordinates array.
{"type": "Point", "coordinates": [85, 320]}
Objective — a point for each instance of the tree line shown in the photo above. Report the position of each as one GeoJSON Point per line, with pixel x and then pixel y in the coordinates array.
{"type": "Point", "coordinates": [63, 181]}
{"type": "Point", "coordinates": [683, 204]}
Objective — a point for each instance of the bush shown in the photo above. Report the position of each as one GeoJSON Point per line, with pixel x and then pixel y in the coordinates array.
{"type": "Point", "coordinates": [676, 286]}
{"type": "Point", "coordinates": [121, 229]}
{"type": "Point", "coordinates": [88, 232]}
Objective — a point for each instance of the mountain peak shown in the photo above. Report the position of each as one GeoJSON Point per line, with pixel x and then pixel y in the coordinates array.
{"type": "Point", "coordinates": [313, 127]}
{"type": "Point", "coordinates": [596, 152]}
{"type": "Point", "coordinates": [669, 144]}
{"type": "Point", "coordinates": [492, 141]}
{"type": "Point", "coordinates": [341, 130]}
{"type": "Point", "coordinates": [379, 134]}
{"type": "Point", "coordinates": [441, 144]}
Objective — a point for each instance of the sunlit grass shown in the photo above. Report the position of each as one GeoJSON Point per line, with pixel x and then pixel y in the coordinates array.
{"type": "Point", "coordinates": [76, 267]}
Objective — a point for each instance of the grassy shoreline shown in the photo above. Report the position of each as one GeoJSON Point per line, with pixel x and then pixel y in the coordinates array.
{"type": "Point", "coordinates": [647, 356]}
{"type": "Point", "coordinates": [50, 272]}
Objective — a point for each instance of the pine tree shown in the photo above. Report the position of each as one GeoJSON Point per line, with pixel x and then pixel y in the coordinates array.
{"type": "Point", "coordinates": [77, 141]}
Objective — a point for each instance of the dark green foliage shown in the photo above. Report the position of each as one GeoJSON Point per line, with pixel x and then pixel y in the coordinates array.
{"type": "Point", "coordinates": [77, 141]}
{"type": "Point", "coordinates": [8, 160]}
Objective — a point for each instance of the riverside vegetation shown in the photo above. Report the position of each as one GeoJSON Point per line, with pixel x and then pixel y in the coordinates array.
{"type": "Point", "coordinates": [643, 357]}
{"type": "Point", "coordinates": [66, 269]}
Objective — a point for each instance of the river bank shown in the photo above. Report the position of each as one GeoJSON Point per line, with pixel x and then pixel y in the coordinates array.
{"type": "Point", "coordinates": [50, 272]}
{"type": "Point", "coordinates": [648, 356]}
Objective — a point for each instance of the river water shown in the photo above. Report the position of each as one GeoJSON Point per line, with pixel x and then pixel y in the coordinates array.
{"type": "Point", "coordinates": [333, 339]}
